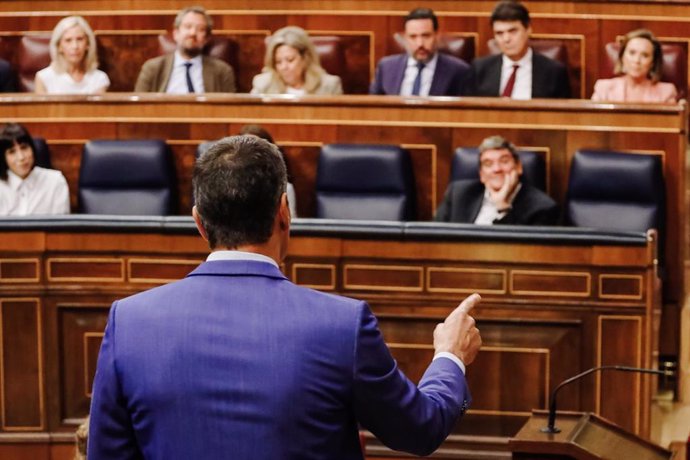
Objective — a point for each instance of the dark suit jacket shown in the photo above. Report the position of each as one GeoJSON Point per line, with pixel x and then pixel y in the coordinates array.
{"type": "Point", "coordinates": [235, 361]}
{"type": "Point", "coordinates": [451, 76]}
{"type": "Point", "coordinates": [7, 80]}
{"type": "Point", "coordinates": [549, 78]}
{"type": "Point", "coordinates": [463, 200]}
{"type": "Point", "coordinates": [218, 76]}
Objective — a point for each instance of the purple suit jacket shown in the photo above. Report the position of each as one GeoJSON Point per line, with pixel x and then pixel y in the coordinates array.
{"type": "Point", "coordinates": [235, 361]}
{"type": "Point", "coordinates": [451, 77]}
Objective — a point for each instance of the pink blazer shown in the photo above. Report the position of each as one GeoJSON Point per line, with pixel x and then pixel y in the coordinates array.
{"type": "Point", "coordinates": [616, 90]}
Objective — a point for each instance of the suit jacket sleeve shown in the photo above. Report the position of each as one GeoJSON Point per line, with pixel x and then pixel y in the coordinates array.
{"type": "Point", "coordinates": [377, 85]}
{"type": "Point", "coordinates": [443, 210]}
{"type": "Point", "coordinates": [414, 419]}
{"type": "Point", "coordinates": [111, 435]}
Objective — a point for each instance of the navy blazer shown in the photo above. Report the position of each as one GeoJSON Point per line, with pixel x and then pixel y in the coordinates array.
{"type": "Point", "coordinates": [463, 201]}
{"type": "Point", "coordinates": [451, 76]}
{"type": "Point", "coordinates": [235, 361]}
{"type": "Point", "coordinates": [549, 77]}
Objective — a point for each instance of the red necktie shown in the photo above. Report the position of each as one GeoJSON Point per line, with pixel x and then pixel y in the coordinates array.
{"type": "Point", "coordinates": [508, 90]}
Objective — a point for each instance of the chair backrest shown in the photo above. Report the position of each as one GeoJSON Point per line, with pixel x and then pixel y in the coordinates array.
{"type": "Point", "coordinates": [673, 70]}
{"type": "Point", "coordinates": [616, 190]}
{"type": "Point", "coordinates": [42, 153]}
{"type": "Point", "coordinates": [32, 56]}
{"type": "Point", "coordinates": [127, 177]}
{"type": "Point", "coordinates": [465, 165]}
{"type": "Point", "coordinates": [462, 47]}
{"type": "Point", "coordinates": [370, 182]}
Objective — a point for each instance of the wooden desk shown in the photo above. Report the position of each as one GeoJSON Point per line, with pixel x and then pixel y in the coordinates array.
{"type": "Point", "coordinates": [556, 301]}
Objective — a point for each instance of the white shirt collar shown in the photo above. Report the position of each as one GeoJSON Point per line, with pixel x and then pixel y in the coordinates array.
{"type": "Point", "coordinates": [240, 255]}
{"type": "Point", "coordinates": [525, 60]}
{"type": "Point", "coordinates": [179, 60]}
{"type": "Point", "coordinates": [15, 182]}
{"type": "Point", "coordinates": [431, 65]}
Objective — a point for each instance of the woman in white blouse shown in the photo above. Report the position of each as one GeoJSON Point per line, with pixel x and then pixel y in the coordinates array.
{"type": "Point", "coordinates": [26, 189]}
{"type": "Point", "coordinates": [74, 63]}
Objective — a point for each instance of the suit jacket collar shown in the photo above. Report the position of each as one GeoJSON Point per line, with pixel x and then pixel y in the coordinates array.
{"type": "Point", "coordinates": [237, 268]}
{"type": "Point", "coordinates": [168, 61]}
{"type": "Point", "coordinates": [400, 64]}
{"type": "Point", "coordinates": [209, 84]}
{"type": "Point", "coordinates": [494, 69]}
{"type": "Point", "coordinates": [474, 202]}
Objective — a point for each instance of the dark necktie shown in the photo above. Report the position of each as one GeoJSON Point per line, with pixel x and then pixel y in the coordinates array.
{"type": "Point", "coordinates": [418, 79]}
{"type": "Point", "coordinates": [508, 90]}
{"type": "Point", "coordinates": [190, 86]}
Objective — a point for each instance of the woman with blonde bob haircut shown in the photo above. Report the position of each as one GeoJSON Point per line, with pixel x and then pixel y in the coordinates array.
{"type": "Point", "coordinates": [292, 66]}
{"type": "Point", "coordinates": [639, 63]}
{"type": "Point", "coordinates": [74, 63]}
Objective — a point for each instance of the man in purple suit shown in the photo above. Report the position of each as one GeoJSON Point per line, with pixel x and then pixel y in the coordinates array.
{"type": "Point", "coordinates": [235, 361]}
{"type": "Point", "coordinates": [422, 71]}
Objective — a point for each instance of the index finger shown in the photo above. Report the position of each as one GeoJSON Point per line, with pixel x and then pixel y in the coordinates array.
{"type": "Point", "coordinates": [468, 304]}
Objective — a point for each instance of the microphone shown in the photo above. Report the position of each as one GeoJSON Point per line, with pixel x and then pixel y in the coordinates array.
{"type": "Point", "coordinates": [551, 427]}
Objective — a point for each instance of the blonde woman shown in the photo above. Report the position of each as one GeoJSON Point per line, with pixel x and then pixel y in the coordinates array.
{"type": "Point", "coordinates": [74, 63]}
{"type": "Point", "coordinates": [291, 66]}
{"type": "Point", "coordinates": [639, 65]}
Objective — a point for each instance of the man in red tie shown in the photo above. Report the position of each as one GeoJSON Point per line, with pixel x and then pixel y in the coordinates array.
{"type": "Point", "coordinates": [518, 72]}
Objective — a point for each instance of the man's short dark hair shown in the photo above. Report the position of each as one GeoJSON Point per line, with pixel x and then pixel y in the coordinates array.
{"type": "Point", "coordinates": [510, 10]}
{"type": "Point", "coordinates": [422, 13]}
{"type": "Point", "coordinates": [13, 133]}
{"type": "Point", "coordinates": [498, 143]}
{"type": "Point", "coordinates": [237, 184]}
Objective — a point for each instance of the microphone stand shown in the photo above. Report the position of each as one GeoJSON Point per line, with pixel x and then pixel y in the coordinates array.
{"type": "Point", "coordinates": [551, 427]}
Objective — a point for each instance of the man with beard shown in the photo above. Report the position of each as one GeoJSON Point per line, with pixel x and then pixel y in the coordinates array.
{"type": "Point", "coordinates": [187, 70]}
{"type": "Point", "coordinates": [422, 71]}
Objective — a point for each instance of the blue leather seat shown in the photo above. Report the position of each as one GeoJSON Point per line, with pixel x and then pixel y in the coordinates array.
{"type": "Point", "coordinates": [127, 177]}
{"type": "Point", "coordinates": [616, 191]}
{"type": "Point", "coordinates": [465, 165]}
{"type": "Point", "coordinates": [368, 182]}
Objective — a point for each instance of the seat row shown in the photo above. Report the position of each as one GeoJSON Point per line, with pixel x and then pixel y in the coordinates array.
{"type": "Point", "coordinates": [606, 189]}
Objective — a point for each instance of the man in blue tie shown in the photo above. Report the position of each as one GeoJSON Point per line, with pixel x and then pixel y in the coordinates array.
{"type": "Point", "coordinates": [235, 361]}
{"type": "Point", "coordinates": [187, 70]}
{"type": "Point", "coordinates": [422, 70]}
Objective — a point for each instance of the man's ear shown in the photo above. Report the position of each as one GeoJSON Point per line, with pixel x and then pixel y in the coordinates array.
{"type": "Point", "coordinates": [284, 216]}
{"type": "Point", "coordinates": [199, 223]}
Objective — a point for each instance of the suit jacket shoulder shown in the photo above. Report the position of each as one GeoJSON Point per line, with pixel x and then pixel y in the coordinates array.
{"type": "Point", "coordinates": [389, 75]}
{"type": "Point", "coordinates": [154, 74]}
{"type": "Point", "coordinates": [330, 85]}
{"type": "Point", "coordinates": [452, 77]}
{"type": "Point", "coordinates": [486, 75]}
{"type": "Point", "coordinates": [549, 78]}
{"type": "Point", "coordinates": [219, 77]}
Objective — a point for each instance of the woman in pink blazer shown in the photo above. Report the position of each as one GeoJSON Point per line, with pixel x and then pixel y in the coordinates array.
{"type": "Point", "coordinates": [639, 62]}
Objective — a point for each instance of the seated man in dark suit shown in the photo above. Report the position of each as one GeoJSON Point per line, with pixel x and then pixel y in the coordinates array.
{"type": "Point", "coordinates": [422, 71]}
{"type": "Point", "coordinates": [498, 197]}
{"type": "Point", "coordinates": [187, 70]}
{"type": "Point", "coordinates": [518, 72]}
{"type": "Point", "coordinates": [7, 84]}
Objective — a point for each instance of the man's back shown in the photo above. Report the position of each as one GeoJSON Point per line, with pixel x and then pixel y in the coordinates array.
{"type": "Point", "coordinates": [236, 361]}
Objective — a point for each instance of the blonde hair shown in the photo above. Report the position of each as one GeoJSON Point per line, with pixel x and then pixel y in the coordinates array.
{"type": "Point", "coordinates": [90, 61]}
{"type": "Point", "coordinates": [657, 57]}
{"type": "Point", "coordinates": [297, 38]}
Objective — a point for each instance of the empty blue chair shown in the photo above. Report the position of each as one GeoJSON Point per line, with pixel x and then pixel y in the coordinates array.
{"type": "Point", "coordinates": [616, 191]}
{"type": "Point", "coordinates": [368, 182]}
{"type": "Point", "coordinates": [127, 177]}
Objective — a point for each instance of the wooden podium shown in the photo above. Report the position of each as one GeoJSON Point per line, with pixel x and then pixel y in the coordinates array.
{"type": "Point", "coordinates": [583, 436]}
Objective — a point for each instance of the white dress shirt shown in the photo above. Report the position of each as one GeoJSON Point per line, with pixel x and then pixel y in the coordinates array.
{"type": "Point", "coordinates": [178, 78]}
{"type": "Point", "coordinates": [488, 213]}
{"type": "Point", "coordinates": [411, 74]}
{"type": "Point", "coordinates": [523, 78]}
{"type": "Point", "coordinates": [44, 191]}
